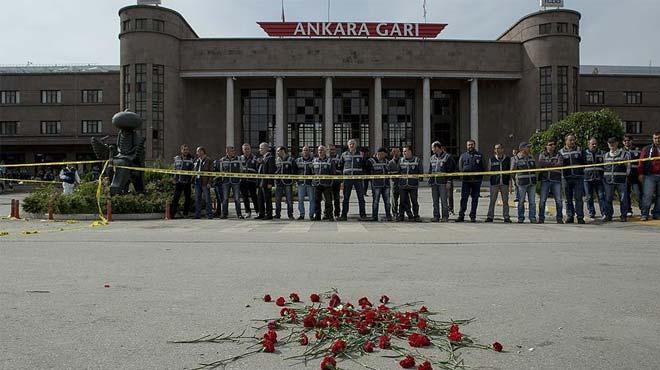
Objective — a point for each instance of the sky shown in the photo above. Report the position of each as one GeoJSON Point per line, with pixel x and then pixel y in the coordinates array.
{"type": "Point", "coordinates": [46, 32]}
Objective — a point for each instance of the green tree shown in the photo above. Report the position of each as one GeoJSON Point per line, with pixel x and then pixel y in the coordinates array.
{"type": "Point", "coordinates": [601, 124]}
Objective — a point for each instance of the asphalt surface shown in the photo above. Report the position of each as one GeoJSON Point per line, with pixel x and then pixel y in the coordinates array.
{"type": "Point", "coordinates": [556, 296]}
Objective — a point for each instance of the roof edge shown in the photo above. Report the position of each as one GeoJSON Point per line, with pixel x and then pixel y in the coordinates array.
{"type": "Point", "coordinates": [159, 8]}
{"type": "Point", "coordinates": [537, 13]}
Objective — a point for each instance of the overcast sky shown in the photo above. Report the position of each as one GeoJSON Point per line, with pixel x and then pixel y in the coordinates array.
{"type": "Point", "coordinates": [614, 32]}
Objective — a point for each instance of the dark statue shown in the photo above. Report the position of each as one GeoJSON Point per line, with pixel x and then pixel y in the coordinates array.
{"type": "Point", "coordinates": [129, 151]}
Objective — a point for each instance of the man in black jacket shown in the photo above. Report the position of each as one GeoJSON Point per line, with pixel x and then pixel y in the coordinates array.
{"type": "Point", "coordinates": [182, 183]}
{"type": "Point", "coordinates": [249, 186]}
{"type": "Point", "coordinates": [470, 161]}
{"type": "Point", "coordinates": [441, 162]}
{"type": "Point", "coordinates": [499, 184]}
{"type": "Point", "coordinates": [266, 166]}
{"type": "Point", "coordinates": [409, 187]}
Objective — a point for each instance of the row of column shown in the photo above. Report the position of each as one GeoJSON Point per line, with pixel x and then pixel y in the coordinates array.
{"type": "Point", "coordinates": [328, 126]}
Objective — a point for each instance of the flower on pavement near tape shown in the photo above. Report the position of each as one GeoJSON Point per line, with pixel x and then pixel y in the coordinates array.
{"type": "Point", "coordinates": [424, 309]}
{"type": "Point", "coordinates": [338, 346]}
{"type": "Point", "coordinates": [364, 302]}
{"type": "Point", "coordinates": [309, 321]}
{"type": "Point", "coordinates": [454, 334]}
{"type": "Point", "coordinates": [408, 362]}
{"type": "Point", "coordinates": [421, 324]}
{"type": "Point", "coordinates": [272, 325]}
{"type": "Point", "coordinates": [497, 347]}
{"type": "Point", "coordinates": [271, 336]}
{"type": "Point", "coordinates": [304, 340]}
{"type": "Point", "coordinates": [294, 297]}
{"type": "Point", "coordinates": [329, 363]}
{"type": "Point", "coordinates": [315, 298]}
{"type": "Point", "coordinates": [334, 301]}
{"type": "Point", "coordinates": [368, 346]}
{"type": "Point", "coordinates": [384, 299]}
{"type": "Point", "coordinates": [268, 346]}
{"type": "Point", "coordinates": [384, 342]}
{"type": "Point", "coordinates": [425, 366]}
{"type": "Point", "coordinates": [418, 340]}
{"type": "Point", "coordinates": [267, 298]}
{"type": "Point", "coordinates": [280, 301]}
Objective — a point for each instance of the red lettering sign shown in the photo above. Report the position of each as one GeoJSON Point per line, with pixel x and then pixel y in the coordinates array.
{"type": "Point", "coordinates": [352, 29]}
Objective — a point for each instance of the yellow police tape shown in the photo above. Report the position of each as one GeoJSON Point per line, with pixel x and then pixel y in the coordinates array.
{"type": "Point", "coordinates": [48, 164]}
{"type": "Point", "coordinates": [19, 181]}
{"type": "Point", "coordinates": [99, 189]}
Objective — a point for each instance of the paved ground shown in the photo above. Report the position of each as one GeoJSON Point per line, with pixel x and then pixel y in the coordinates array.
{"type": "Point", "coordinates": [584, 297]}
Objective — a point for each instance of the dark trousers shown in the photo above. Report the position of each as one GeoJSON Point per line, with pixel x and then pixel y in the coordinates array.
{"type": "Point", "coordinates": [249, 192]}
{"type": "Point", "coordinates": [287, 192]}
{"type": "Point", "coordinates": [469, 189]}
{"type": "Point", "coordinates": [336, 187]}
{"type": "Point", "coordinates": [377, 193]}
{"type": "Point", "coordinates": [235, 190]}
{"type": "Point", "coordinates": [634, 187]}
{"type": "Point", "coordinates": [219, 195]}
{"type": "Point", "coordinates": [439, 194]}
{"type": "Point", "coordinates": [591, 187]}
{"type": "Point", "coordinates": [609, 198]}
{"type": "Point", "coordinates": [325, 191]}
{"type": "Point", "coordinates": [265, 200]}
{"type": "Point", "coordinates": [408, 199]}
{"type": "Point", "coordinates": [186, 189]}
{"type": "Point", "coordinates": [202, 195]}
{"type": "Point", "coordinates": [396, 194]}
{"type": "Point", "coordinates": [359, 189]}
{"type": "Point", "coordinates": [574, 191]}
{"type": "Point", "coordinates": [450, 195]}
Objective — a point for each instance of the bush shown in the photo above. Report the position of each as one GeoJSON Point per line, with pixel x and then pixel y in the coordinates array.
{"type": "Point", "coordinates": [601, 124]}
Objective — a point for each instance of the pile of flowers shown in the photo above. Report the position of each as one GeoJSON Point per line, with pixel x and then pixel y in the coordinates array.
{"type": "Point", "coordinates": [330, 330]}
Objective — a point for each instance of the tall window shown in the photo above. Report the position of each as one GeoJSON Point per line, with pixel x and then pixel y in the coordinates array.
{"type": "Point", "coordinates": [545, 28]}
{"type": "Point", "coordinates": [8, 128]}
{"type": "Point", "coordinates": [141, 24]}
{"type": "Point", "coordinates": [91, 127]}
{"type": "Point", "coordinates": [562, 92]}
{"type": "Point", "coordinates": [51, 127]}
{"type": "Point", "coordinates": [545, 74]}
{"type": "Point", "coordinates": [51, 96]}
{"type": "Point", "coordinates": [126, 75]}
{"type": "Point", "coordinates": [562, 27]}
{"type": "Point", "coordinates": [633, 97]}
{"type": "Point", "coordinates": [141, 94]}
{"type": "Point", "coordinates": [158, 110]}
{"type": "Point", "coordinates": [633, 127]}
{"type": "Point", "coordinates": [126, 25]}
{"type": "Point", "coordinates": [92, 96]}
{"type": "Point", "coordinates": [595, 97]}
{"type": "Point", "coordinates": [258, 116]}
{"type": "Point", "coordinates": [305, 118]}
{"type": "Point", "coordinates": [10, 97]}
{"type": "Point", "coordinates": [351, 117]}
{"type": "Point", "coordinates": [158, 25]}
{"type": "Point", "coordinates": [398, 118]}
{"type": "Point", "coordinates": [576, 30]}
{"type": "Point", "coordinates": [444, 118]}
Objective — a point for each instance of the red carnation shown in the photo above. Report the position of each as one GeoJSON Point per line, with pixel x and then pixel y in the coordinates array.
{"type": "Point", "coordinates": [453, 328]}
{"type": "Point", "coordinates": [304, 340]}
{"type": "Point", "coordinates": [497, 347]}
{"type": "Point", "coordinates": [328, 363]}
{"type": "Point", "coordinates": [455, 336]}
{"type": "Point", "coordinates": [267, 298]}
{"type": "Point", "coordinates": [284, 311]}
{"type": "Point", "coordinates": [338, 346]}
{"type": "Point", "coordinates": [421, 324]}
{"type": "Point", "coordinates": [368, 346]}
{"type": "Point", "coordinates": [334, 301]}
{"type": "Point", "coordinates": [272, 325]}
{"type": "Point", "coordinates": [408, 362]}
{"type": "Point", "coordinates": [423, 309]}
{"type": "Point", "coordinates": [271, 335]}
{"type": "Point", "coordinates": [268, 346]}
{"type": "Point", "coordinates": [418, 340]}
{"type": "Point", "coordinates": [309, 321]}
{"type": "Point", "coordinates": [280, 301]}
{"type": "Point", "coordinates": [384, 342]}
{"type": "Point", "coordinates": [384, 299]}
{"type": "Point", "coordinates": [294, 297]}
{"type": "Point", "coordinates": [425, 366]}
{"type": "Point", "coordinates": [315, 298]}
{"type": "Point", "coordinates": [364, 302]}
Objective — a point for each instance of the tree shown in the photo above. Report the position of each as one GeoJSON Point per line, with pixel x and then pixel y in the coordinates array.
{"type": "Point", "coordinates": [602, 125]}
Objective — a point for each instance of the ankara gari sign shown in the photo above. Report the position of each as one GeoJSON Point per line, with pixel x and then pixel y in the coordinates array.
{"type": "Point", "coordinates": [352, 29]}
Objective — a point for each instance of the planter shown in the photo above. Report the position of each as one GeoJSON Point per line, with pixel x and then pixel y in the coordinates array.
{"type": "Point", "coordinates": [94, 217]}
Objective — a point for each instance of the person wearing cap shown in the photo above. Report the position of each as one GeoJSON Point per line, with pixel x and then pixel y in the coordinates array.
{"type": "Point", "coordinates": [649, 175]}
{"type": "Point", "coordinates": [284, 165]}
{"type": "Point", "coordinates": [231, 164]}
{"type": "Point", "coordinates": [305, 188]}
{"type": "Point", "coordinates": [593, 178]}
{"type": "Point", "coordinates": [395, 155]}
{"type": "Point", "coordinates": [470, 161]}
{"type": "Point", "coordinates": [551, 180]}
{"type": "Point", "coordinates": [379, 165]}
{"type": "Point", "coordinates": [409, 186]}
{"type": "Point", "coordinates": [500, 183]}
{"type": "Point", "coordinates": [183, 161]}
{"type": "Point", "coordinates": [323, 166]}
{"type": "Point", "coordinates": [202, 191]}
{"type": "Point", "coordinates": [440, 162]}
{"type": "Point", "coordinates": [573, 180]}
{"type": "Point", "coordinates": [615, 176]}
{"type": "Point", "coordinates": [633, 184]}
{"type": "Point", "coordinates": [352, 162]}
{"type": "Point", "coordinates": [526, 182]}
{"type": "Point", "coordinates": [266, 166]}
{"type": "Point", "coordinates": [249, 185]}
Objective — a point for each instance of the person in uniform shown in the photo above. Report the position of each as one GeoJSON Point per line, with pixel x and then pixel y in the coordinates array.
{"type": "Point", "coordinates": [249, 185]}
{"type": "Point", "coordinates": [216, 184]}
{"type": "Point", "coordinates": [323, 165]}
{"type": "Point", "coordinates": [499, 184]}
{"type": "Point", "coordinates": [284, 165]}
{"type": "Point", "coordinates": [440, 162]}
{"type": "Point", "coordinates": [69, 176]}
{"type": "Point", "coordinates": [380, 188]}
{"type": "Point", "coordinates": [184, 161]}
{"type": "Point", "coordinates": [593, 178]}
{"type": "Point", "coordinates": [649, 176]}
{"type": "Point", "coordinates": [470, 161]}
{"type": "Point", "coordinates": [615, 176]}
{"type": "Point", "coordinates": [266, 166]}
{"type": "Point", "coordinates": [231, 164]}
{"type": "Point", "coordinates": [395, 153]}
{"type": "Point", "coordinates": [573, 180]}
{"type": "Point", "coordinates": [336, 184]}
{"type": "Point", "coordinates": [526, 182]}
{"type": "Point", "coordinates": [551, 180]}
{"type": "Point", "coordinates": [633, 184]}
{"type": "Point", "coordinates": [409, 186]}
{"type": "Point", "coordinates": [202, 191]}
{"type": "Point", "coordinates": [352, 163]}
{"type": "Point", "coordinates": [305, 188]}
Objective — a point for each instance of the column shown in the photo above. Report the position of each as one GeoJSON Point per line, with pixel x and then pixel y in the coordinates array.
{"type": "Point", "coordinates": [279, 111]}
{"type": "Point", "coordinates": [426, 123]}
{"type": "Point", "coordinates": [328, 117]}
{"type": "Point", "coordinates": [378, 113]}
{"type": "Point", "coordinates": [474, 110]}
{"type": "Point", "coordinates": [229, 118]}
